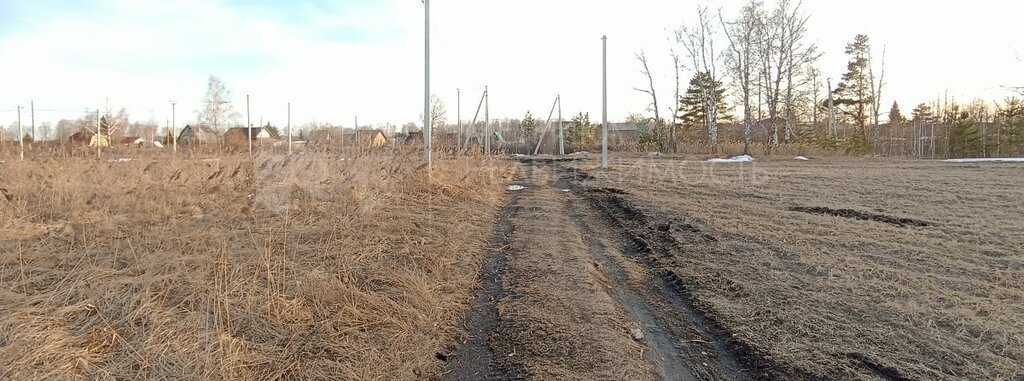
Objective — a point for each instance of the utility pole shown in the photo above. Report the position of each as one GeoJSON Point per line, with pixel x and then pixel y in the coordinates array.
{"type": "Point", "coordinates": [831, 112]}
{"type": "Point", "coordinates": [487, 121]}
{"type": "Point", "coordinates": [98, 135]}
{"type": "Point", "coordinates": [458, 115]}
{"type": "Point", "coordinates": [289, 128]}
{"type": "Point", "coordinates": [248, 124]}
{"type": "Point", "coordinates": [426, 82]}
{"type": "Point", "coordinates": [174, 129]}
{"type": "Point", "coordinates": [604, 102]}
{"type": "Point", "coordinates": [547, 127]}
{"type": "Point", "coordinates": [32, 106]}
{"type": "Point", "coordinates": [21, 134]}
{"type": "Point", "coordinates": [561, 132]}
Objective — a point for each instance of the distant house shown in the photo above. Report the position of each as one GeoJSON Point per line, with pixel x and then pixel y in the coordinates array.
{"type": "Point", "coordinates": [81, 137]}
{"type": "Point", "coordinates": [414, 137]}
{"type": "Point", "coordinates": [620, 133]}
{"type": "Point", "coordinates": [338, 136]}
{"type": "Point", "coordinates": [371, 138]}
{"type": "Point", "coordinates": [86, 137]}
{"type": "Point", "coordinates": [132, 140]}
{"type": "Point", "coordinates": [242, 135]}
{"type": "Point", "coordinates": [197, 135]}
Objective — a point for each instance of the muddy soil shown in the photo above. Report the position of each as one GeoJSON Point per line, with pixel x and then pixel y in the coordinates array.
{"type": "Point", "coordinates": [574, 290]}
{"type": "Point", "coordinates": [864, 216]}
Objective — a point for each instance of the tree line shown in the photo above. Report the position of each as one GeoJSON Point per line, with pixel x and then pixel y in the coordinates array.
{"type": "Point", "coordinates": [758, 70]}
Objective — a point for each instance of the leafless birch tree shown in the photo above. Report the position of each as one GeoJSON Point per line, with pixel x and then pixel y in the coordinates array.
{"type": "Point", "coordinates": [876, 94]}
{"type": "Point", "coordinates": [699, 41]}
{"type": "Point", "coordinates": [740, 58]}
{"type": "Point", "coordinates": [642, 59]}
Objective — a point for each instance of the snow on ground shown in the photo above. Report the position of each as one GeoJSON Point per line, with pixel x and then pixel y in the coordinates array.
{"type": "Point", "coordinates": [988, 160]}
{"type": "Point", "coordinates": [802, 158]}
{"type": "Point", "coordinates": [734, 159]}
{"type": "Point", "coordinates": [516, 187]}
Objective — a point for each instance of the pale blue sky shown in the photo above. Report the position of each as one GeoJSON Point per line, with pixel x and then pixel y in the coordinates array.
{"type": "Point", "coordinates": [338, 59]}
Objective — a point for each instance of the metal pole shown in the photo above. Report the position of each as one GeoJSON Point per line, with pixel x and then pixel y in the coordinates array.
{"type": "Point", "coordinates": [289, 128]}
{"type": "Point", "coordinates": [561, 133]}
{"type": "Point", "coordinates": [487, 121]}
{"type": "Point", "coordinates": [472, 125]}
{"type": "Point", "coordinates": [21, 135]}
{"type": "Point", "coordinates": [426, 82]}
{"type": "Point", "coordinates": [32, 105]}
{"type": "Point", "coordinates": [547, 127]}
{"type": "Point", "coordinates": [98, 135]}
{"type": "Point", "coordinates": [458, 114]}
{"type": "Point", "coordinates": [248, 124]}
{"type": "Point", "coordinates": [831, 113]}
{"type": "Point", "coordinates": [604, 102]}
{"type": "Point", "coordinates": [174, 129]}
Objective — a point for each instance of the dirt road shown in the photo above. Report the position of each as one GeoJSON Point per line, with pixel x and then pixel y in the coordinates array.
{"type": "Point", "coordinates": [570, 292]}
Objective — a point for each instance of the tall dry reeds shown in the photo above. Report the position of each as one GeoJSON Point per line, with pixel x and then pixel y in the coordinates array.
{"type": "Point", "coordinates": [307, 267]}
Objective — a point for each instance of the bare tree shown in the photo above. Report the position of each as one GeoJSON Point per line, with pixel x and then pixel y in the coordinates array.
{"type": "Point", "coordinates": [676, 68]}
{"type": "Point", "coordinates": [438, 114]}
{"type": "Point", "coordinates": [699, 42]}
{"type": "Point", "coordinates": [876, 94]}
{"type": "Point", "coordinates": [217, 109]}
{"type": "Point", "coordinates": [740, 60]}
{"type": "Point", "coordinates": [642, 59]}
{"type": "Point", "coordinates": [799, 56]}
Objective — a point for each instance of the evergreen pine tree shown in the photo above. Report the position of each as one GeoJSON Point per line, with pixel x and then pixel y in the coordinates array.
{"type": "Point", "coordinates": [853, 94]}
{"type": "Point", "coordinates": [693, 105]}
{"type": "Point", "coordinates": [895, 116]}
{"type": "Point", "coordinates": [964, 135]}
{"type": "Point", "coordinates": [529, 125]}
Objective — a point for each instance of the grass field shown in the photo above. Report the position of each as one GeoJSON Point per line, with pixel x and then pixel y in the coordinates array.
{"type": "Point", "coordinates": [310, 267]}
{"type": "Point", "coordinates": [322, 266]}
{"type": "Point", "coordinates": [802, 262]}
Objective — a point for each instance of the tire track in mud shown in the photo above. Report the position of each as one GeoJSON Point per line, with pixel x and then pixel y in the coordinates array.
{"type": "Point", "coordinates": [475, 359]}
{"type": "Point", "coordinates": [571, 271]}
{"type": "Point", "coordinates": [649, 240]}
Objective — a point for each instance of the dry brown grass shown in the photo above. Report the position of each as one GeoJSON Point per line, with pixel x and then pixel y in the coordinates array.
{"type": "Point", "coordinates": [310, 267]}
{"type": "Point", "coordinates": [938, 302]}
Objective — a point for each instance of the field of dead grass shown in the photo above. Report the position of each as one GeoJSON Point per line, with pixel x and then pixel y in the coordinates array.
{"type": "Point", "coordinates": [847, 298]}
{"type": "Point", "coordinates": [309, 267]}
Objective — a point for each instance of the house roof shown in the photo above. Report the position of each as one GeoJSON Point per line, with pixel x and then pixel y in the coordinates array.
{"type": "Point", "coordinates": [339, 134]}
{"type": "Point", "coordinates": [81, 136]}
{"type": "Point", "coordinates": [200, 128]}
{"type": "Point", "coordinates": [252, 132]}
{"type": "Point", "coordinates": [622, 127]}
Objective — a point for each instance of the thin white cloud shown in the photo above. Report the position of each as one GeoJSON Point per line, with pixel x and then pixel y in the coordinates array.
{"type": "Point", "coordinates": [367, 60]}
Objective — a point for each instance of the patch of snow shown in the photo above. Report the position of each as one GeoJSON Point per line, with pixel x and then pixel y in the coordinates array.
{"type": "Point", "coordinates": [158, 144]}
{"type": "Point", "coordinates": [636, 333]}
{"type": "Point", "coordinates": [565, 190]}
{"type": "Point", "coordinates": [734, 159]}
{"type": "Point", "coordinates": [516, 187]}
{"type": "Point", "coordinates": [988, 160]}
{"type": "Point", "coordinates": [654, 154]}
{"type": "Point", "coordinates": [579, 153]}
{"type": "Point", "coordinates": [120, 160]}
{"type": "Point", "coordinates": [518, 155]}
{"type": "Point", "coordinates": [802, 158]}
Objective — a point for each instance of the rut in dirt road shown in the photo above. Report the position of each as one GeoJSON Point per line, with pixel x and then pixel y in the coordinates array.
{"type": "Point", "coordinates": [573, 304]}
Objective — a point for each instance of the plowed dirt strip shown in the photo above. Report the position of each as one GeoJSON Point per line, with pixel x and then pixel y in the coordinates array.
{"type": "Point", "coordinates": [558, 320]}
